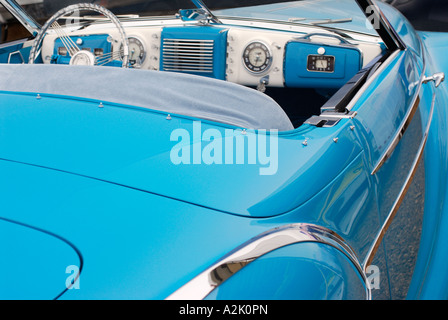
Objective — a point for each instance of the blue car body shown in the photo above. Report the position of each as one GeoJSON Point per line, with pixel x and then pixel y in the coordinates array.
{"type": "Point", "coordinates": [93, 207]}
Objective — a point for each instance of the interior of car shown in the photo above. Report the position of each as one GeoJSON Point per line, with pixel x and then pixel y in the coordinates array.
{"type": "Point", "coordinates": [305, 68]}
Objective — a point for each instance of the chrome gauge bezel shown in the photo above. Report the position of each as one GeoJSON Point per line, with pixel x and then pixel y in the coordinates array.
{"type": "Point", "coordinates": [142, 57]}
{"type": "Point", "coordinates": [87, 55]}
{"type": "Point", "coordinates": [266, 64]}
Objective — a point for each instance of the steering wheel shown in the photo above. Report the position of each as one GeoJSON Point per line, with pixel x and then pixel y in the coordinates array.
{"type": "Point", "coordinates": [73, 50]}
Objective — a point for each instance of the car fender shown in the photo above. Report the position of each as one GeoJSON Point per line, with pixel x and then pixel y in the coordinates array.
{"type": "Point", "coordinates": [304, 271]}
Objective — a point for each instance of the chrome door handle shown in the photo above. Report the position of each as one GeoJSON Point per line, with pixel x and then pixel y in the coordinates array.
{"type": "Point", "coordinates": [438, 78]}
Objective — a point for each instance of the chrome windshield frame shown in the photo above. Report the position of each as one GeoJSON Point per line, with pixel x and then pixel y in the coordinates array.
{"type": "Point", "coordinates": [382, 26]}
{"type": "Point", "coordinates": [371, 11]}
{"type": "Point", "coordinates": [22, 16]}
{"type": "Point", "coordinates": [391, 39]}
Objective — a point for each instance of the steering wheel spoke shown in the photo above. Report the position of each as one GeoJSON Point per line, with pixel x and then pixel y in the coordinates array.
{"type": "Point", "coordinates": [69, 44]}
{"type": "Point", "coordinates": [107, 58]}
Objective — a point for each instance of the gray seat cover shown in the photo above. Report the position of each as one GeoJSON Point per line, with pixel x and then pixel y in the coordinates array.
{"type": "Point", "coordinates": [173, 93]}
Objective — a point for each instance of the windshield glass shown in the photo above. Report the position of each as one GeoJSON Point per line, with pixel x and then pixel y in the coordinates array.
{"type": "Point", "coordinates": [341, 14]}
{"type": "Point", "coordinates": [42, 10]}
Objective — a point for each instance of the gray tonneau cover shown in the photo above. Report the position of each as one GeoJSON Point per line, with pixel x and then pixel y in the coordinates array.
{"type": "Point", "coordinates": [174, 93]}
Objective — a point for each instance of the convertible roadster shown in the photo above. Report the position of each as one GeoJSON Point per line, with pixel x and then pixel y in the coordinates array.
{"type": "Point", "coordinates": [170, 150]}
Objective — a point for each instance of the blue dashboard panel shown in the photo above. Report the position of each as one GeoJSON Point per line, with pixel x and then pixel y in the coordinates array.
{"type": "Point", "coordinates": [336, 65]}
{"type": "Point", "coordinates": [97, 44]}
{"type": "Point", "coordinates": [15, 53]}
{"type": "Point", "coordinates": [195, 50]}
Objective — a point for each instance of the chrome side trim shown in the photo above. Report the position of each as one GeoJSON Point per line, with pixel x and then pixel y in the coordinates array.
{"type": "Point", "coordinates": [404, 125]}
{"type": "Point", "coordinates": [393, 211]}
{"type": "Point", "coordinates": [17, 11]}
{"type": "Point", "coordinates": [202, 285]}
{"type": "Point", "coordinates": [398, 136]}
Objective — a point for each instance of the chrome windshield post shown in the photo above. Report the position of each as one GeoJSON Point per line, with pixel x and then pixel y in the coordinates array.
{"type": "Point", "coordinates": [20, 14]}
{"type": "Point", "coordinates": [209, 16]}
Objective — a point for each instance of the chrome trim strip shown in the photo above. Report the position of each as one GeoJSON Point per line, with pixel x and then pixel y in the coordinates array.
{"type": "Point", "coordinates": [369, 81]}
{"type": "Point", "coordinates": [181, 50]}
{"type": "Point", "coordinates": [202, 285]}
{"type": "Point", "coordinates": [407, 119]}
{"type": "Point", "coordinates": [404, 125]}
{"type": "Point", "coordinates": [398, 136]}
{"type": "Point", "coordinates": [331, 115]}
{"type": "Point", "coordinates": [26, 20]}
{"type": "Point", "coordinates": [338, 37]}
{"type": "Point", "coordinates": [189, 41]}
{"type": "Point", "coordinates": [191, 55]}
{"type": "Point", "coordinates": [370, 255]}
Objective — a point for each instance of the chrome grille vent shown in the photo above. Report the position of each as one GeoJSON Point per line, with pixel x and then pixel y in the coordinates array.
{"type": "Point", "coordinates": [191, 56]}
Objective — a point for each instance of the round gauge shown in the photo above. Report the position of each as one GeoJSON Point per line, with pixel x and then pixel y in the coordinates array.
{"type": "Point", "coordinates": [83, 58]}
{"type": "Point", "coordinates": [137, 52]}
{"type": "Point", "coordinates": [257, 57]}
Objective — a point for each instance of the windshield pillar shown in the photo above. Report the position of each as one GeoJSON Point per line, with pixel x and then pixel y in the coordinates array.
{"type": "Point", "coordinates": [201, 6]}
{"type": "Point", "coordinates": [17, 11]}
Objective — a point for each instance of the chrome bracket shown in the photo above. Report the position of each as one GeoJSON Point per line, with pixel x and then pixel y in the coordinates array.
{"type": "Point", "coordinates": [329, 119]}
{"type": "Point", "coordinates": [202, 14]}
{"type": "Point", "coordinates": [263, 83]}
{"type": "Point", "coordinates": [18, 53]}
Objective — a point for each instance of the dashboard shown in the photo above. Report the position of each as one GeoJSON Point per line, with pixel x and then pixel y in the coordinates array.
{"type": "Point", "coordinates": [244, 55]}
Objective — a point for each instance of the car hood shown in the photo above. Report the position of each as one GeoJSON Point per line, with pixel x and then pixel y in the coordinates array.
{"type": "Point", "coordinates": [35, 264]}
{"type": "Point", "coordinates": [128, 244]}
{"type": "Point", "coordinates": [133, 147]}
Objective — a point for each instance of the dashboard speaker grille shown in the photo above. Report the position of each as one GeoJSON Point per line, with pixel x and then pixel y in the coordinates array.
{"type": "Point", "coordinates": [192, 56]}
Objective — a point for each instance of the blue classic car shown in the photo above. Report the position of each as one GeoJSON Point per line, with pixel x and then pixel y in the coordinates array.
{"type": "Point", "coordinates": [272, 150]}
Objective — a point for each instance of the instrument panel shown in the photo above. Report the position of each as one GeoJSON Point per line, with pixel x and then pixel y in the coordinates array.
{"type": "Point", "coordinates": [243, 55]}
{"type": "Point", "coordinates": [257, 57]}
{"type": "Point", "coordinates": [137, 52]}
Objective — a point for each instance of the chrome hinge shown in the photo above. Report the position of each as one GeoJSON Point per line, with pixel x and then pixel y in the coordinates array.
{"type": "Point", "coordinates": [330, 119]}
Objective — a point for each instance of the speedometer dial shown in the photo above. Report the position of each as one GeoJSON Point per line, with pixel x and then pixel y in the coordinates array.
{"type": "Point", "coordinates": [257, 57]}
{"type": "Point", "coordinates": [137, 52]}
